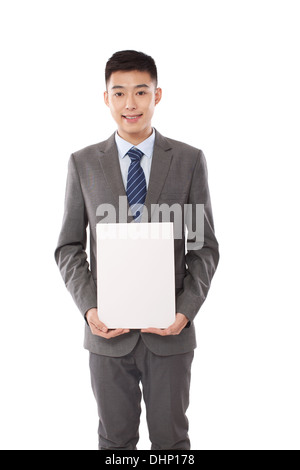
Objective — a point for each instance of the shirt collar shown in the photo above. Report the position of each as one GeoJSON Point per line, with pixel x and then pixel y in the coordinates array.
{"type": "Point", "coordinates": [146, 146]}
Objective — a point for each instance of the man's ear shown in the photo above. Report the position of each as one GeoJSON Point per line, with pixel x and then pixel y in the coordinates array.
{"type": "Point", "coordinates": [158, 95]}
{"type": "Point", "coordinates": [106, 98]}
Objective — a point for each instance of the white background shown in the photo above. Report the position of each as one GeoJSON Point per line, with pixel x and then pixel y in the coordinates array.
{"type": "Point", "coordinates": [230, 76]}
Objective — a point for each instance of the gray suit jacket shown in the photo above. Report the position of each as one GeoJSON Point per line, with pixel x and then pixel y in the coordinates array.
{"type": "Point", "coordinates": [178, 175]}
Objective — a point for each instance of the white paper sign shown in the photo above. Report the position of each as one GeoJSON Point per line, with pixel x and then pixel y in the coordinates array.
{"type": "Point", "coordinates": [136, 279]}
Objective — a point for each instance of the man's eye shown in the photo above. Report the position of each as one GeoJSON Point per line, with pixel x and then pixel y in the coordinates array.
{"type": "Point", "coordinates": [141, 92]}
{"type": "Point", "coordinates": [119, 94]}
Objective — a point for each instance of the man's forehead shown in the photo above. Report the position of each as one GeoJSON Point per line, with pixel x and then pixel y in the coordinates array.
{"type": "Point", "coordinates": [130, 79]}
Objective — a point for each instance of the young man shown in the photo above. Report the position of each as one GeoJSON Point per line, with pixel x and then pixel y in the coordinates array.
{"type": "Point", "coordinates": [137, 162]}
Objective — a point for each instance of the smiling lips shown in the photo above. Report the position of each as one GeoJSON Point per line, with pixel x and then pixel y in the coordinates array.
{"type": "Point", "coordinates": [133, 118]}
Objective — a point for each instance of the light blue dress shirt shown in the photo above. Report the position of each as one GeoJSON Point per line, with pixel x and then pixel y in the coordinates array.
{"type": "Point", "coordinates": [146, 147]}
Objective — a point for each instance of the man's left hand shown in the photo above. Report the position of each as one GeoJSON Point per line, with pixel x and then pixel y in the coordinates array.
{"type": "Point", "coordinates": [176, 328]}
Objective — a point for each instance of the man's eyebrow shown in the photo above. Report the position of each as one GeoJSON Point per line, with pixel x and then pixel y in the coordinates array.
{"type": "Point", "coordinates": [137, 86]}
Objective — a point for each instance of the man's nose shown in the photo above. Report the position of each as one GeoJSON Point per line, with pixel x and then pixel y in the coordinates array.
{"type": "Point", "coordinates": [130, 102]}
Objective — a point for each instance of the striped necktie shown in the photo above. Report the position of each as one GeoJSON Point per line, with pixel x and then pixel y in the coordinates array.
{"type": "Point", "coordinates": [136, 184]}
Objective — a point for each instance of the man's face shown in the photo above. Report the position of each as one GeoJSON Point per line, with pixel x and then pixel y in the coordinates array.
{"type": "Point", "coordinates": [132, 97]}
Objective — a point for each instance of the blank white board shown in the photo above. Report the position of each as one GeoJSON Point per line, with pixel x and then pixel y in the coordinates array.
{"type": "Point", "coordinates": [135, 275]}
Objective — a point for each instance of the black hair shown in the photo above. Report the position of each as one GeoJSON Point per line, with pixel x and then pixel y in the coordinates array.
{"type": "Point", "coordinates": [131, 60]}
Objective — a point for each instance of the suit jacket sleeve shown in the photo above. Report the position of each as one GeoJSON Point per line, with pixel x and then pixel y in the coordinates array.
{"type": "Point", "coordinates": [201, 259]}
{"type": "Point", "coordinates": [70, 254]}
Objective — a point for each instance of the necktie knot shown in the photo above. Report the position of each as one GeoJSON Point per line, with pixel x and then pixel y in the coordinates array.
{"type": "Point", "coordinates": [135, 154]}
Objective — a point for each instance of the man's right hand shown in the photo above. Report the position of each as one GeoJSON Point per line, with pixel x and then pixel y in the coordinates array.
{"type": "Point", "coordinates": [99, 329]}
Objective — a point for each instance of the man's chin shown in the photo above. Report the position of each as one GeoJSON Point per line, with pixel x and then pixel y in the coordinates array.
{"type": "Point", "coordinates": [135, 130]}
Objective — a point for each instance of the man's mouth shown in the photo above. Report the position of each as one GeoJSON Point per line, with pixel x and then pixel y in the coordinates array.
{"type": "Point", "coordinates": [132, 118]}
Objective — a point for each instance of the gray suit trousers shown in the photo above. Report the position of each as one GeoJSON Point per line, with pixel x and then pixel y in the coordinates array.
{"type": "Point", "coordinates": [165, 383]}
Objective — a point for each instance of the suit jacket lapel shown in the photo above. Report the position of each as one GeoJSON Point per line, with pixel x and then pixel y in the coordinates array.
{"type": "Point", "coordinates": [161, 161]}
{"type": "Point", "coordinates": [110, 165]}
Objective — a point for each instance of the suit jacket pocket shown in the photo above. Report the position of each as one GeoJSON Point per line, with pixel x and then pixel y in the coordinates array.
{"type": "Point", "coordinates": [173, 197]}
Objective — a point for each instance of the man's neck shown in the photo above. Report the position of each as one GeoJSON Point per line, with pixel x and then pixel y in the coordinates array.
{"type": "Point", "coordinates": [135, 139]}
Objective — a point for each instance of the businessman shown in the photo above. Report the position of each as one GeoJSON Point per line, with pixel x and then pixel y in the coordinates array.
{"type": "Point", "coordinates": [138, 163]}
